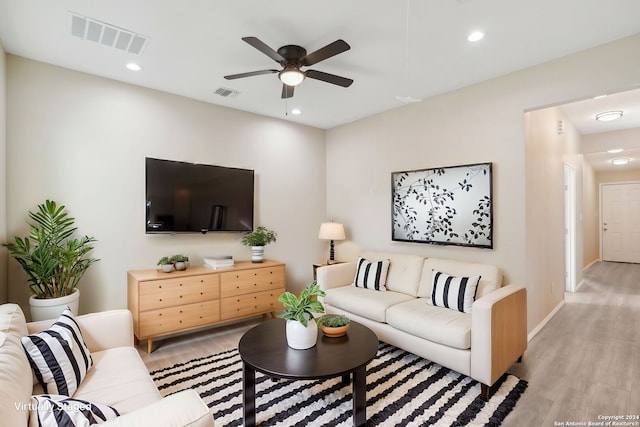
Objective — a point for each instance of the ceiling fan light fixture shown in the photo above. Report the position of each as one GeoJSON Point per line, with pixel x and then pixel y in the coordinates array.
{"type": "Point", "coordinates": [609, 116]}
{"type": "Point", "coordinates": [291, 76]}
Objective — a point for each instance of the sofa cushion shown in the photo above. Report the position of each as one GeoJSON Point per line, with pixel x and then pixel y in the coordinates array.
{"type": "Point", "coordinates": [371, 274]}
{"type": "Point", "coordinates": [437, 324]}
{"type": "Point", "coordinates": [59, 357]}
{"type": "Point", "coordinates": [456, 293]}
{"type": "Point", "coordinates": [490, 280]}
{"type": "Point", "coordinates": [62, 411]}
{"type": "Point", "coordinates": [364, 302]}
{"type": "Point", "coordinates": [119, 379]}
{"type": "Point", "coordinates": [404, 270]}
{"type": "Point", "coordinates": [16, 379]}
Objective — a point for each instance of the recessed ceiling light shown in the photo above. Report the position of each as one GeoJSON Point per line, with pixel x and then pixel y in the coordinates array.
{"type": "Point", "coordinates": [615, 150]}
{"type": "Point", "coordinates": [475, 36]}
{"type": "Point", "coordinates": [133, 66]}
{"type": "Point", "coordinates": [609, 116]}
{"type": "Point", "coordinates": [296, 111]}
{"type": "Point", "coordinates": [620, 161]}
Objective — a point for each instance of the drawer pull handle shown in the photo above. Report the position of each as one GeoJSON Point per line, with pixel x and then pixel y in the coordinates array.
{"type": "Point", "coordinates": [180, 284]}
{"type": "Point", "coordinates": [201, 293]}
{"type": "Point", "coordinates": [181, 321]}
{"type": "Point", "coordinates": [160, 299]}
{"type": "Point", "coordinates": [160, 286]}
{"type": "Point", "coordinates": [180, 296]}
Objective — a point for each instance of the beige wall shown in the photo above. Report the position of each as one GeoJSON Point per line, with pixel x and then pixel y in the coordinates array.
{"type": "Point", "coordinates": [3, 175]}
{"type": "Point", "coordinates": [479, 123]}
{"type": "Point", "coordinates": [81, 140]}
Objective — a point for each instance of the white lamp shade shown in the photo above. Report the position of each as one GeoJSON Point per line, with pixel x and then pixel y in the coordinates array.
{"type": "Point", "coordinates": [291, 76]}
{"type": "Point", "coordinates": [331, 231]}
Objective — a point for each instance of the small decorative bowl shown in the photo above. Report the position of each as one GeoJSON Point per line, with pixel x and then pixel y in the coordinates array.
{"type": "Point", "coordinates": [167, 268]}
{"type": "Point", "coordinates": [334, 332]}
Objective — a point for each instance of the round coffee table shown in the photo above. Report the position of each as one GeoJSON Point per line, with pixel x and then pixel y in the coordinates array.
{"type": "Point", "coordinates": [264, 349]}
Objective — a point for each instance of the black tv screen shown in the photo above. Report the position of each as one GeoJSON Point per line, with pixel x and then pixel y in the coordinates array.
{"type": "Point", "coordinates": [194, 198]}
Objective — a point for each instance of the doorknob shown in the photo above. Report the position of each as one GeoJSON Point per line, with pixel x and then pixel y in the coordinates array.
{"type": "Point", "coordinates": [605, 229]}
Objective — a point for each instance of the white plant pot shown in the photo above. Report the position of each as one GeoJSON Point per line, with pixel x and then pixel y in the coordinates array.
{"type": "Point", "coordinates": [52, 308]}
{"type": "Point", "coordinates": [181, 265]}
{"type": "Point", "coordinates": [300, 337]}
{"type": "Point", "coordinates": [257, 254]}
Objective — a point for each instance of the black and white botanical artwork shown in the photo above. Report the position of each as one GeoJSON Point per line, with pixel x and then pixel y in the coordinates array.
{"type": "Point", "coordinates": [449, 206]}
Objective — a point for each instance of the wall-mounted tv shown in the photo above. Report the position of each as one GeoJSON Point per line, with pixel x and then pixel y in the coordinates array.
{"type": "Point", "coordinates": [194, 198]}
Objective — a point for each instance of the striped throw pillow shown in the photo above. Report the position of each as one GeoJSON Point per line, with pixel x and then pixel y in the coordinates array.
{"type": "Point", "coordinates": [456, 293]}
{"type": "Point", "coordinates": [62, 411]}
{"type": "Point", "coordinates": [59, 356]}
{"type": "Point", "coordinates": [371, 275]}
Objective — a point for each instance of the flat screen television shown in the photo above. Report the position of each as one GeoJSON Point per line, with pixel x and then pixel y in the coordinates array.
{"type": "Point", "coordinates": [194, 198]}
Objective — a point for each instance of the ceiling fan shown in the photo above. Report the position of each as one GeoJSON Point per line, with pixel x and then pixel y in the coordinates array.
{"type": "Point", "coordinates": [292, 58]}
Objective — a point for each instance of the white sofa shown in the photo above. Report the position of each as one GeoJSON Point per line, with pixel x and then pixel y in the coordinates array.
{"type": "Point", "coordinates": [118, 377]}
{"type": "Point", "coordinates": [481, 344]}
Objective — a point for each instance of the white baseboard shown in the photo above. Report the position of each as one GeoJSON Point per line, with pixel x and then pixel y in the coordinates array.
{"type": "Point", "coordinates": [591, 263]}
{"type": "Point", "coordinates": [544, 322]}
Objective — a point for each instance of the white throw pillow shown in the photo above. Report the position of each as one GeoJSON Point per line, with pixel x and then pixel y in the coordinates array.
{"type": "Point", "coordinates": [456, 293]}
{"type": "Point", "coordinates": [62, 411]}
{"type": "Point", "coordinates": [59, 356]}
{"type": "Point", "coordinates": [371, 275]}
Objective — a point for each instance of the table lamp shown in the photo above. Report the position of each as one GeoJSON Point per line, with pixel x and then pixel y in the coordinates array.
{"type": "Point", "coordinates": [331, 231]}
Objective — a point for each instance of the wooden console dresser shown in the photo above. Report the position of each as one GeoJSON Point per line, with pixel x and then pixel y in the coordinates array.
{"type": "Point", "coordinates": [166, 303]}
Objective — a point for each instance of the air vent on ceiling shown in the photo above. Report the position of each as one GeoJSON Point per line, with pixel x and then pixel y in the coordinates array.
{"type": "Point", "coordinates": [227, 93]}
{"type": "Point", "coordinates": [107, 34]}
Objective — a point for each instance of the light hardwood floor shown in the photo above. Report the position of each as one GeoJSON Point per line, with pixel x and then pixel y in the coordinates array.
{"type": "Point", "coordinates": [583, 364]}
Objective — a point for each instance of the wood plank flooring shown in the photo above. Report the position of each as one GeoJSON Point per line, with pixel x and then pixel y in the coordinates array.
{"type": "Point", "coordinates": [584, 363]}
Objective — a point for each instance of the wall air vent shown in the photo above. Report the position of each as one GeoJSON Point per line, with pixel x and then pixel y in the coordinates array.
{"type": "Point", "coordinates": [107, 34]}
{"type": "Point", "coordinates": [227, 93]}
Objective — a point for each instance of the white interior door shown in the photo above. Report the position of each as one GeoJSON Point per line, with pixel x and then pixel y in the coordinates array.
{"type": "Point", "coordinates": [621, 222]}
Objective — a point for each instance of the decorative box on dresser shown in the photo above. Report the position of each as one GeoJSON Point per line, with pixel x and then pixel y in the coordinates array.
{"type": "Point", "coordinates": [167, 303]}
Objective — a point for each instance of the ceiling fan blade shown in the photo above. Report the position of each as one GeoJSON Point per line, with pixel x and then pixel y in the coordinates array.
{"type": "Point", "coordinates": [262, 47]}
{"type": "Point", "coordinates": [287, 91]}
{"type": "Point", "coordinates": [329, 78]}
{"type": "Point", "coordinates": [250, 74]}
{"type": "Point", "coordinates": [332, 49]}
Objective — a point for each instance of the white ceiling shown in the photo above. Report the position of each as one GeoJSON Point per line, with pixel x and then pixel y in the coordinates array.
{"type": "Point", "coordinates": [193, 44]}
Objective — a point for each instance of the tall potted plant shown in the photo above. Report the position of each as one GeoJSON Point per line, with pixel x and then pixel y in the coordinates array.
{"type": "Point", "coordinates": [258, 239]}
{"type": "Point", "coordinates": [53, 259]}
{"type": "Point", "coordinates": [301, 330]}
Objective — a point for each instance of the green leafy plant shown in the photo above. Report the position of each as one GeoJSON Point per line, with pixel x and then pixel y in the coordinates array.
{"type": "Point", "coordinates": [178, 258]}
{"type": "Point", "coordinates": [165, 260]}
{"type": "Point", "coordinates": [262, 236]}
{"type": "Point", "coordinates": [333, 320]}
{"type": "Point", "coordinates": [302, 308]}
{"type": "Point", "coordinates": [53, 260]}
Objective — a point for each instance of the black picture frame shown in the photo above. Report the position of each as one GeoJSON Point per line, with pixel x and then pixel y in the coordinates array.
{"type": "Point", "coordinates": [450, 205]}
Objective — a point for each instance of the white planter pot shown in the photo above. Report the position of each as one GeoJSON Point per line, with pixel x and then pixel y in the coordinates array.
{"type": "Point", "coordinates": [52, 308]}
{"type": "Point", "coordinates": [257, 254]}
{"type": "Point", "coordinates": [300, 337]}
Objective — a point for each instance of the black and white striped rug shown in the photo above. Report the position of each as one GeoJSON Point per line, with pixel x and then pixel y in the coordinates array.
{"type": "Point", "coordinates": [402, 390]}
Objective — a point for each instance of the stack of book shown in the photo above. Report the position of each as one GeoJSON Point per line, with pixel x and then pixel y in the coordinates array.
{"type": "Point", "coordinates": [215, 262]}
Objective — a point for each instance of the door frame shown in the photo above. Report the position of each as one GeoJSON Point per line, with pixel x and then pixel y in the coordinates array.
{"type": "Point", "coordinates": [600, 210]}
{"type": "Point", "coordinates": [570, 231]}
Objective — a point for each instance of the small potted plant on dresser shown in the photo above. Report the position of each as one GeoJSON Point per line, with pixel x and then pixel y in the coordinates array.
{"type": "Point", "coordinates": [302, 331]}
{"type": "Point", "coordinates": [258, 239]}
{"type": "Point", "coordinates": [180, 262]}
{"type": "Point", "coordinates": [334, 325]}
{"type": "Point", "coordinates": [166, 264]}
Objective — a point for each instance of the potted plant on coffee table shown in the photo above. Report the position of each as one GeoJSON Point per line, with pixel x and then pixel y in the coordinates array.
{"type": "Point", "coordinates": [302, 331]}
{"type": "Point", "coordinates": [53, 259]}
{"type": "Point", "coordinates": [334, 325]}
{"type": "Point", "coordinates": [258, 239]}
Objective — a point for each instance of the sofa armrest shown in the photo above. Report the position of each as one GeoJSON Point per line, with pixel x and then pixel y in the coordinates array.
{"type": "Point", "coordinates": [178, 410]}
{"type": "Point", "coordinates": [336, 275]}
{"type": "Point", "coordinates": [498, 332]}
{"type": "Point", "coordinates": [101, 331]}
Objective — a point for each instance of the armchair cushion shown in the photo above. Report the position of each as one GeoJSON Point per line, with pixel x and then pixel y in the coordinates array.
{"type": "Point", "coordinates": [61, 411]}
{"type": "Point", "coordinates": [58, 356]}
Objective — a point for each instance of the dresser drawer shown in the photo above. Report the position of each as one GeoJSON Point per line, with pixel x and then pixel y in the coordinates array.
{"type": "Point", "coordinates": [255, 280]}
{"type": "Point", "coordinates": [247, 305]}
{"type": "Point", "coordinates": [164, 293]}
{"type": "Point", "coordinates": [162, 321]}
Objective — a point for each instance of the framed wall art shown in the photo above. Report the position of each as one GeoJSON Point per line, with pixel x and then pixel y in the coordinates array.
{"type": "Point", "coordinates": [446, 206]}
